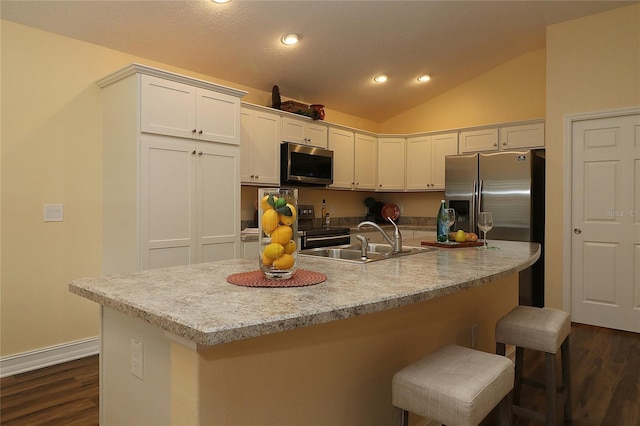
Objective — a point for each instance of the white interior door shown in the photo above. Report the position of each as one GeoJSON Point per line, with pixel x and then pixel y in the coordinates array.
{"type": "Point", "coordinates": [605, 285]}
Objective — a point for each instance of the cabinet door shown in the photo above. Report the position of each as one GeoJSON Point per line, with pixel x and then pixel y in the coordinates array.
{"type": "Point", "coordinates": [267, 136]}
{"type": "Point", "coordinates": [443, 145]}
{"type": "Point", "coordinates": [365, 161]}
{"type": "Point", "coordinates": [167, 202]}
{"type": "Point", "coordinates": [316, 135]}
{"type": "Point", "coordinates": [218, 201]}
{"type": "Point", "coordinates": [167, 107]}
{"type": "Point", "coordinates": [293, 130]}
{"type": "Point", "coordinates": [526, 136]}
{"type": "Point", "coordinates": [391, 163]}
{"type": "Point", "coordinates": [341, 143]}
{"type": "Point", "coordinates": [217, 117]}
{"type": "Point", "coordinates": [479, 140]}
{"type": "Point", "coordinates": [246, 146]}
{"type": "Point", "coordinates": [419, 163]}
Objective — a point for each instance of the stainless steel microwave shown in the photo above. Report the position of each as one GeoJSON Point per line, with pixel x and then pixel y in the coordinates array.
{"type": "Point", "coordinates": [305, 165]}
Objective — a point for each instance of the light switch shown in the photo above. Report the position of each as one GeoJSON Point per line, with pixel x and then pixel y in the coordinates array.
{"type": "Point", "coordinates": [53, 212]}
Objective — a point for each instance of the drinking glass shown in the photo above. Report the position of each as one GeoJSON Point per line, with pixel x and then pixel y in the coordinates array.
{"type": "Point", "coordinates": [485, 223]}
{"type": "Point", "coordinates": [452, 217]}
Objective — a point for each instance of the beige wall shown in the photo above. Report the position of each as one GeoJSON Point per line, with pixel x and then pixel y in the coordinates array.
{"type": "Point", "coordinates": [512, 91]}
{"type": "Point", "coordinates": [593, 64]}
{"type": "Point", "coordinates": [52, 153]}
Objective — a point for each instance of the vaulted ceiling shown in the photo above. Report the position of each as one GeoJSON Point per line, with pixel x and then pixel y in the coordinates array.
{"type": "Point", "coordinates": [343, 45]}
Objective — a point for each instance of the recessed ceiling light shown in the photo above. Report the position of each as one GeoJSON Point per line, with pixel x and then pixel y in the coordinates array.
{"type": "Point", "coordinates": [221, 1]}
{"type": "Point", "coordinates": [424, 78]}
{"type": "Point", "coordinates": [380, 78]}
{"type": "Point", "coordinates": [290, 38]}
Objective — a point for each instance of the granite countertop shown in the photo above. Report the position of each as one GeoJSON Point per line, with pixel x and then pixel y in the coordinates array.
{"type": "Point", "coordinates": [197, 303]}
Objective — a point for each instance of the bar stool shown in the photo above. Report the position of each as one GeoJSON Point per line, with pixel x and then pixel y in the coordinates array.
{"type": "Point", "coordinates": [454, 386]}
{"type": "Point", "coordinates": [545, 330]}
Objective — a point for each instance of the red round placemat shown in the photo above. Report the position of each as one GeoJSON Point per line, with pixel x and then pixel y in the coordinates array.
{"type": "Point", "coordinates": [300, 278]}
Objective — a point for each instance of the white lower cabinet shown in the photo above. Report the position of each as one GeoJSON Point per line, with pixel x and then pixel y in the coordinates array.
{"type": "Point", "coordinates": [250, 250]}
{"type": "Point", "coordinates": [167, 200]}
{"type": "Point", "coordinates": [188, 192]}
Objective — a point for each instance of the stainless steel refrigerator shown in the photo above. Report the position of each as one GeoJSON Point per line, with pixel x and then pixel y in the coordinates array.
{"type": "Point", "coordinates": [510, 185]}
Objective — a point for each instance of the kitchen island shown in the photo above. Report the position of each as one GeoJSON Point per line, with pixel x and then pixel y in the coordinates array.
{"type": "Point", "coordinates": [183, 346]}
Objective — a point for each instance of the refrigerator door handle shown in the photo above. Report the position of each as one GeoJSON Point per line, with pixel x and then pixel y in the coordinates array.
{"type": "Point", "coordinates": [473, 207]}
{"type": "Point", "coordinates": [480, 184]}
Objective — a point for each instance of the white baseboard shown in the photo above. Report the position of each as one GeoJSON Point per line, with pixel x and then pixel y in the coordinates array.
{"type": "Point", "coordinates": [39, 358]}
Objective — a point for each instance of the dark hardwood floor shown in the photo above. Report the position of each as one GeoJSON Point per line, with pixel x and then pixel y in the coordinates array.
{"type": "Point", "coordinates": [64, 394]}
{"type": "Point", "coordinates": [605, 369]}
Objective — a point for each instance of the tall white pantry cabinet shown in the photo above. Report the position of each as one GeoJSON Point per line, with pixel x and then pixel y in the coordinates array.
{"type": "Point", "coordinates": [171, 170]}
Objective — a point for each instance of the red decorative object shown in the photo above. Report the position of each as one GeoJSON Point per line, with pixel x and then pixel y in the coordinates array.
{"type": "Point", "coordinates": [300, 278]}
{"type": "Point", "coordinates": [320, 109]}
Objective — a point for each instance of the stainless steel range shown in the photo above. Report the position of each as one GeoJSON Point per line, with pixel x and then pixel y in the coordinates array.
{"type": "Point", "coordinates": [313, 234]}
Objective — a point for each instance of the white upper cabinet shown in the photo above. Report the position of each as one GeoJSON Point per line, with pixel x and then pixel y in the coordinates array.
{"type": "Point", "coordinates": [365, 161]}
{"type": "Point", "coordinates": [502, 138]}
{"type": "Point", "coordinates": [391, 164]}
{"type": "Point", "coordinates": [479, 140]}
{"type": "Point", "coordinates": [425, 160]}
{"type": "Point", "coordinates": [304, 131]}
{"type": "Point", "coordinates": [523, 136]}
{"type": "Point", "coordinates": [176, 109]}
{"type": "Point", "coordinates": [260, 147]}
{"type": "Point", "coordinates": [341, 142]}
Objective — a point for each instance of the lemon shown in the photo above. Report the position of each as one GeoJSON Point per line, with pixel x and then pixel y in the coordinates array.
{"type": "Point", "coordinates": [266, 261]}
{"type": "Point", "coordinates": [273, 251]}
{"type": "Point", "coordinates": [269, 221]}
{"type": "Point", "coordinates": [282, 234]}
{"type": "Point", "coordinates": [290, 247]}
{"type": "Point", "coordinates": [264, 203]}
{"type": "Point", "coordinates": [289, 220]}
{"type": "Point", "coordinates": [285, 261]}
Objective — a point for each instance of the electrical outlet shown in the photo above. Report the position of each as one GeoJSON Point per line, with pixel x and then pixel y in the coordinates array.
{"type": "Point", "coordinates": [474, 336]}
{"type": "Point", "coordinates": [136, 358]}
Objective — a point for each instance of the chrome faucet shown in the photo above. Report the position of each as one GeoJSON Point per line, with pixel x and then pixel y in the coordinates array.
{"type": "Point", "coordinates": [396, 242]}
{"type": "Point", "coordinates": [363, 246]}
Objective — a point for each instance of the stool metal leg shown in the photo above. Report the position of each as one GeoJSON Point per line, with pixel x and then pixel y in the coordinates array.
{"type": "Point", "coordinates": [518, 375]}
{"type": "Point", "coordinates": [400, 417]}
{"type": "Point", "coordinates": [550, 370]}
{"type": "Point", "coordinates": [503, 413]}
{"type": "Point", "coordinates": [566, 379]}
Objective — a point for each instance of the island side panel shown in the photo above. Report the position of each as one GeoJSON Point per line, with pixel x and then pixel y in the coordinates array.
{"type": "Point", "coordinates": [126, 399]}
{"type": "Point", "coordinates": [337, 373]}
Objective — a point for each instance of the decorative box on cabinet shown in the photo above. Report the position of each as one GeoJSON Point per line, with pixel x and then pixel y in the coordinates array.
{"type": "Point", "coordinates": [167, 199]}
{"type": "Point", "coordinates": [304, 131]}
{"type": "Point", "coordinates": [391, 163]}
{"type": "Point", "coordinates": [261, 136]}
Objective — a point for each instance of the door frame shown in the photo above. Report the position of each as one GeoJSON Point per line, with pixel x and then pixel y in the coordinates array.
{"type": "Point", "coordinates": [569, 120]}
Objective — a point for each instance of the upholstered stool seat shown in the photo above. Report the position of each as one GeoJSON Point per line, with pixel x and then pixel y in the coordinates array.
{"type": "Point", "coordinates": [545, 330]}
{"type": "Point", "coordinates": [454, 386]}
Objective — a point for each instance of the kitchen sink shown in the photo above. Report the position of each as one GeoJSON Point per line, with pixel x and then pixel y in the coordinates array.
{"type": "Point", "coordinates": [352, 252]}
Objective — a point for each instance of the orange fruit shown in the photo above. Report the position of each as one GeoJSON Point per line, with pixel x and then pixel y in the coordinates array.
{"type": "Point", "coordinates": [286, 261]}
{"type": "Point", "coordinates": [273, 251]}
{"type": "Point", "coordinates": [289, 220]}
{"type": "Point", "coordinates": [281, 235]}
{"type": "Point", "coordinates": [290, 247]}
{"type": "Point", "coordinates": [269, 221]}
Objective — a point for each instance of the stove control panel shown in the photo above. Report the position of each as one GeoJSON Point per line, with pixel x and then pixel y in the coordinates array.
{"type": "Point", "coordinates": [305, 212]}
